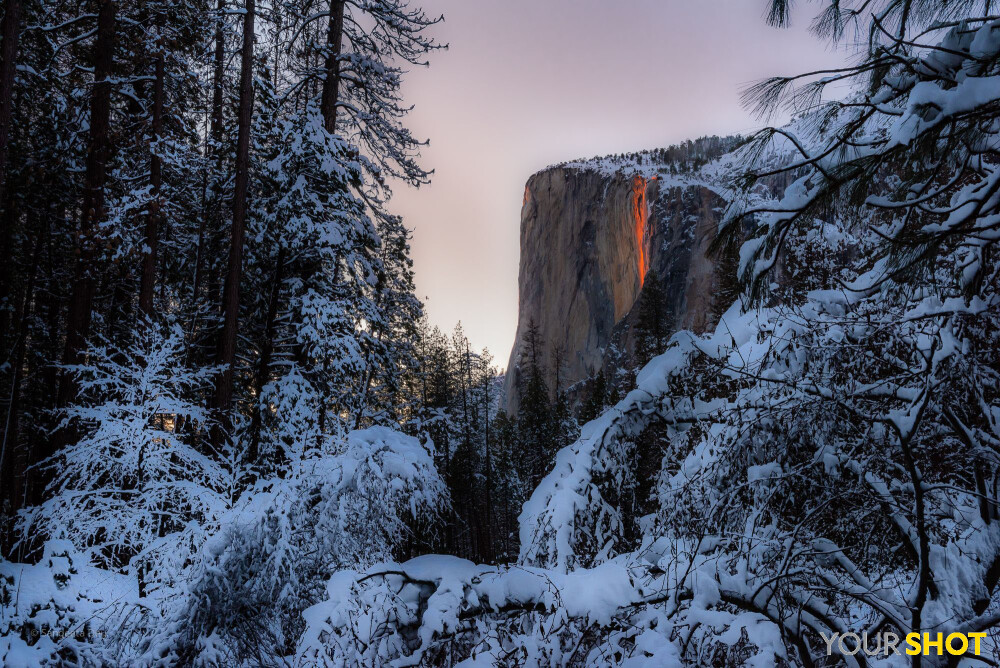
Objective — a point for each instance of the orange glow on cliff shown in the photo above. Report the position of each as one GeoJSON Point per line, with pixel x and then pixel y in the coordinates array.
{"type": "Point", "coordinates": [640, 214]}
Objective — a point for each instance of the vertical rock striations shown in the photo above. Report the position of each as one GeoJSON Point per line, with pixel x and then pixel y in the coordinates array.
{"type": "Point", "coordinates": [591, 233]}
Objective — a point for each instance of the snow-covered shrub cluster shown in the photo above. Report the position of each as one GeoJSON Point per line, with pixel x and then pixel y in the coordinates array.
{"type": "Point", "coordinates": [236, 590]}
{"type": "Point", "coordinates": [344, 506]}
{"type": "Point", "coordinates": [155, 555]}
{"type": "Point", "coordinates": [64, 610]}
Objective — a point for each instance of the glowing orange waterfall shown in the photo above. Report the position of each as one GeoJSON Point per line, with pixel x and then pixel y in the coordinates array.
{"type": "Point", "coordinates": [640, 214]}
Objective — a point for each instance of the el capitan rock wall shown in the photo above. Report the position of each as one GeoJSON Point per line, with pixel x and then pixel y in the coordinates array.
{"type": "Point", "coordinates": [588, 239]}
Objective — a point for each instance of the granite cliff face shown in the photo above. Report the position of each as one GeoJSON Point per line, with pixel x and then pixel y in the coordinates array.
{"type": "Point", "coordinates": [592, 233]}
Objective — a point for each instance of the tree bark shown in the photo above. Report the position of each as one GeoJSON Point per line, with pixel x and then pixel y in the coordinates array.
{"type": "Point", "coordinates": [212, 222]}
{"type": "Point", "coordinates": [331, 85]}
{"type": "Point", "coordinates": [10, 31]}
{"type": "Point", "coordinates": [231, 290]}
{"type": "Point", "coordinates": [218, 71]}
{"type": "Point", "coordinates": [209, 225]}
{"type": "Point", "coordinates": [216, 132]}
{"type": "Point", "coordinates": [266, 355]}
{"type": "Point", "coordinates": [148, 281]}
{"type": "Point", "coordinates": [98, 153]}
{"type": "Point", "coordinates": [328, 106]}
{"type": "Point", "coordinates": [14, 463]}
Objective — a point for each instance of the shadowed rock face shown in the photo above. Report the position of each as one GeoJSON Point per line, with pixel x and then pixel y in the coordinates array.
{"type": "Point", "coordinates": [587, 239]}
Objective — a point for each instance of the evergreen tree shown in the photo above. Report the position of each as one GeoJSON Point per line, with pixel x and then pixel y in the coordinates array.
{"type": "Point", "coordinates": [652, 328]}
{"type": "Point", "coordinates": [564, 426]}
{"type": "Point", "coordinates": [131, 480]}
{"type": "Point", "coordinates": [535, 421]}
{"type": "Point", "coordinates": [597, 398]}
{"type": "Point", "coordinates": [509, 487]}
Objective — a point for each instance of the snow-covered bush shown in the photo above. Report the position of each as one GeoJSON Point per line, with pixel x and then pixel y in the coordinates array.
{"type": "Point", "coordinates": [64, 611]}
{"type": "Point", "coordinates": [434, 609]}
{"type": "Point", "coordinates": [346, 506]}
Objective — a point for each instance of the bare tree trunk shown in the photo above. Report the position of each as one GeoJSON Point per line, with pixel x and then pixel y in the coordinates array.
{"type": "Point", "coordinates": [13, 464]}
{"type": "Point", "coordinates": [148, 281]}
{"type": "Point", "coordinates": [266, 355]}
{"type": "Point", "coordinates": [10, 32]}
{"type": "Point", "coordinates": [231, 291]}
{"type": "Point", "coordinates": [210, 223]}
{"type": "Point", "coordinates": [98, 153]}
{"type": "Point", "coordinates": [331, 85]}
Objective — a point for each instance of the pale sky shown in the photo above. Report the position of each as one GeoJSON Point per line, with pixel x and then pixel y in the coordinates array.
{"type": "Point", "coordinates": [528, 83]}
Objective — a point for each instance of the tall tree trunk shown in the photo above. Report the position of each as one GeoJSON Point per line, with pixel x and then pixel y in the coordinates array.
{"type": "Point", "coordinates": [210, 223]}
{"type": "Point", "coordinates": [200, 249]}
{"type": "Point", "coordinates": [231, 291]}
{"type": "Point", "coordinates": [51, 296]}
{"type": "Point", "coordinates": [331, 85]}
{"type": "Point", "coordinates": [98, 153]}
{"type": "Point", "coordinates": [10, 32]}
{"type": "Point", "coordinates": [266, 355]}
{"type": "Point", "coordinates": [218, 71]}
{"type": "Point", "coordinates": [217, 132]}
{"type": "Point", "coordinates": [148, 281]}
{"type": "Point", "coordinates": [328, 107]}
{"type": "Point", "coordinates": [13, 463]}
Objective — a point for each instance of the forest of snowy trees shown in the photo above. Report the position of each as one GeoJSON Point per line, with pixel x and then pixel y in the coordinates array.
{"type": "Point", "coordinates": [196, 234]}
{"type": "Point", "coordinates": [230, 437]}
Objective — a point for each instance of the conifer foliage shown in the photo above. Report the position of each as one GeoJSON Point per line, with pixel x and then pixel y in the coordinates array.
{"type": "Point", "coordinates": [218, 170]}
{"type": "Point", "coordinates": [206, 314]}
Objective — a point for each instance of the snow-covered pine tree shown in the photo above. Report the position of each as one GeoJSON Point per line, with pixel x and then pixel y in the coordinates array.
{"type": "Point", "coordinates": [334, 266]}
{"type": "Point", "coordinates": [138, 488]}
